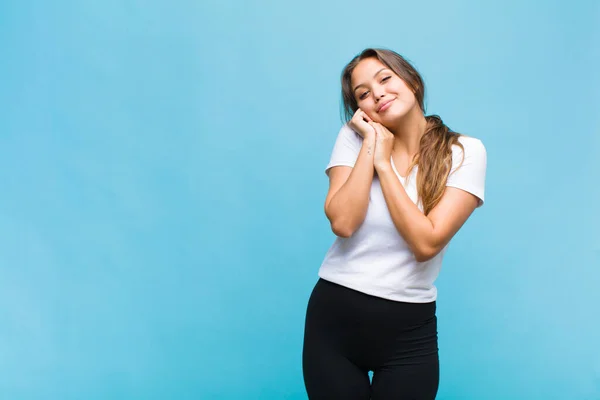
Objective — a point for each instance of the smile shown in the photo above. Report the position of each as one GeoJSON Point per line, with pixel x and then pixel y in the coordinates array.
{"type": "Point", "coordinates": [385, 106]}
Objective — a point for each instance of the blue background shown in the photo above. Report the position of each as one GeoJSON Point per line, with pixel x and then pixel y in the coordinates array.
{"type": "Point", "coordinates": [162, 186]}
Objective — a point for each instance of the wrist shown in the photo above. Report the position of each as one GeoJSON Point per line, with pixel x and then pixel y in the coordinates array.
{"type": "Point", "coordinates": [383, 166]}
{"type": "Point", "coordinates": [369, 138]}
{"type": "Point", "coordinates": [369, 143]}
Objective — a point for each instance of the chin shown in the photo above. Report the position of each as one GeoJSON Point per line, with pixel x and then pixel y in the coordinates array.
{"type": "Point", "coordinates": [392, 119]}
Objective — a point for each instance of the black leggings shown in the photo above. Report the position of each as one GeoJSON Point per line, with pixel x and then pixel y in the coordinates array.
{"type": "Point", "coordinates": [349, 333]}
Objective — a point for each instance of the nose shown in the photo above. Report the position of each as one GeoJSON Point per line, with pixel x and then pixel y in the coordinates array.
{"type": "Point", "coordinates": [378, 93]}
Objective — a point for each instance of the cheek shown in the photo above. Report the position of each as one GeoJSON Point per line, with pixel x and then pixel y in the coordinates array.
{"type": "Point", "coordinates": [404, 91]}
{"type": "Point", "coordinates": [412, 99]}
{"type": "Point", "coordinates": [407, 97]}
{"type": "Point", "coordinates": [368, 106]}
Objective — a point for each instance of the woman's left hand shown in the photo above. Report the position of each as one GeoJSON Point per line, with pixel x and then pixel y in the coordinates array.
{"type": "Point", "coordinates": [384, 144]}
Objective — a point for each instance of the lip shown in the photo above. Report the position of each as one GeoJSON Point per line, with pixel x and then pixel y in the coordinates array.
{"type": "Point", "coordinates": [385, 105]}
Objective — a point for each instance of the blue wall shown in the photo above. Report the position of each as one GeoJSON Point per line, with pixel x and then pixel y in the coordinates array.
{"type": "Point", "coordinates": [162, 188]}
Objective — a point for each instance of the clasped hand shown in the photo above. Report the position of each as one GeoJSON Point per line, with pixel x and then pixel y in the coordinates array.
{"type": "Point", "coordinates": [374, 132]}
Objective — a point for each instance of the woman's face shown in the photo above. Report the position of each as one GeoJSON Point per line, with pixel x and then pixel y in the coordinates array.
{"type": "Point", "coordinates": [380, 93]}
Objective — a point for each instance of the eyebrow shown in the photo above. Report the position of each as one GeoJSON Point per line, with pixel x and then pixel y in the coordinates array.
{"type": "Point", "coordinates": [376, 73]}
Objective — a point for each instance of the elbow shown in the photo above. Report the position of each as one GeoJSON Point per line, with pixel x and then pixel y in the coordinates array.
{"type": "Point", "coordinates": [425, 253]}
{"type": "Point", "coordinates": [343, 230]}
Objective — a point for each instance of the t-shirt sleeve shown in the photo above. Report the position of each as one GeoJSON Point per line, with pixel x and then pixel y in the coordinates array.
{"type": "Point", "coordinates": [470, 176]}
{"type": "Point", "coordinates": [346, 149]}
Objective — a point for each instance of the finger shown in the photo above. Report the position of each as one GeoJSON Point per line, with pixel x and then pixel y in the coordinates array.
{"type": "Point", "coordinates": [375, 126]}
{"type": "Point", "coordinates": [360, 118]}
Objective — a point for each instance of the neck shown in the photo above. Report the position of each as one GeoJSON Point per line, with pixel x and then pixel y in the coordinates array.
{"type": "Point", "coordinates": [408, 133]}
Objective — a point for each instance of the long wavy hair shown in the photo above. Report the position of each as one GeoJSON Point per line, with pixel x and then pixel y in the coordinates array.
{"type": "Point", "coordinates": [434, 158]}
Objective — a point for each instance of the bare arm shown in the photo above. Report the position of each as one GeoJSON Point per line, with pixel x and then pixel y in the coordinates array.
{"type": "Point", "coordinates": [425, 235]}
{"type": "Point", "coordinates": [349, 188]}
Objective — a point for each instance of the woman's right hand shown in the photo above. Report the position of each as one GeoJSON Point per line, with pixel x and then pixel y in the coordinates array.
{"type": "Point", "coordinates": [360, 124]}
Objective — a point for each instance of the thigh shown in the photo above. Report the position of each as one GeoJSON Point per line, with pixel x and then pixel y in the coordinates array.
{"type": "Point", "coordinates": [418, 380]}
{"type": "Point", "coordinates": [329, 376]}
{"type": "Point", "coordinates": [408, 366]}
{"type": "Point", "coordinates": [329, 373]}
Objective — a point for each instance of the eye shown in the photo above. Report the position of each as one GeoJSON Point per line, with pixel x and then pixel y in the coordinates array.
{"type": "Point", "coordinates": [385, 79]}
{"type": "Point", "coordinates": [362, 96]}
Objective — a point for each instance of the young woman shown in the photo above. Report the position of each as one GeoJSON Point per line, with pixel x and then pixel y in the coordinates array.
{"type": "Point", "coordinates": [401, 185]}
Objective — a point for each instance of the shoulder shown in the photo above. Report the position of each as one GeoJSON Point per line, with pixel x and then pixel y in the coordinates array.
{"type": "Point", "coordinates": [473, 148]}
{"type": "Point", "coordinates": [346, 148]}
{"type": "Point", "coordinates": [348, 140]}
{"type": "Point", "coordinates": [470, 144]}
{"type": "Point", "coordinates": [349, 134]}
{"type": "Point", "coordinates": [469, 167]}
{"type": "Point", "coordinates": [474, 154]}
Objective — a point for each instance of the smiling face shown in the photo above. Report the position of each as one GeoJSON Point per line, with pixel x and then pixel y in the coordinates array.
{"type": "Point", "coordinates": [380, 93]}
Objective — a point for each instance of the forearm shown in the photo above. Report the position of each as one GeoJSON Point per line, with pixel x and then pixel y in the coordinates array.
{"type": "Point", "coordinates": [348, 207]}
{"type": "Point", "coordinates": [416, 229]}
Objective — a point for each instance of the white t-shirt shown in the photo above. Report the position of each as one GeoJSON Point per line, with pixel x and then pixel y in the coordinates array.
{"type": "Point", "coordinates": [376, 259]}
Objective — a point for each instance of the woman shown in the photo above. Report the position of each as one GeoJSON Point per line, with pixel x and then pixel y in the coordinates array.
{"type": "Point", "coordinates": [401, 185]}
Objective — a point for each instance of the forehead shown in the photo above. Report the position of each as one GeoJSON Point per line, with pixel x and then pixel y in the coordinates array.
{"type": "Point", "coordinates": [365, 70]}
